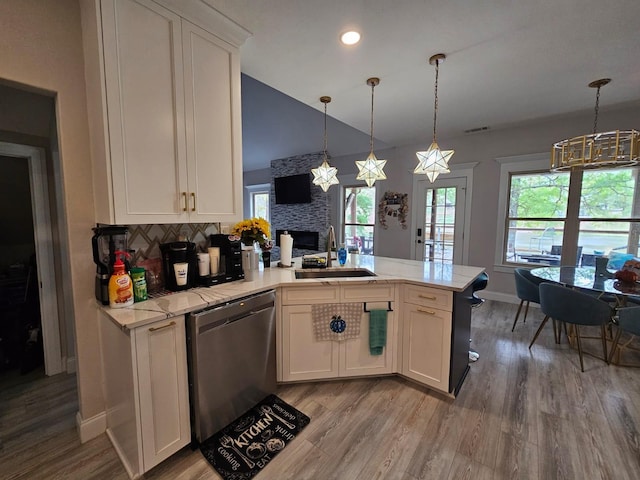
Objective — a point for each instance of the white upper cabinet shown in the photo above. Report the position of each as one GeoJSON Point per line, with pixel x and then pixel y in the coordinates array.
{"type": "Point", "coordinates": [213, 126]}
{"type": "Point", "coordinates": [164, 112]}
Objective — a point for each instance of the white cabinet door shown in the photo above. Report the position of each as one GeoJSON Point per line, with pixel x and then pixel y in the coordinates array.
{"type": "Point", "coordinates": [164, 114]}
{"type": "Point", "coordinates": [143, 68]}
{"type": "Point", "coordinates": [356, 358]}
{"type": "Point", "coordinates": [161, 365]}
{"type": "Point", "coordinates": [213, 126]}
{"type": "Point", "coordinates": [304, 358]}
{"type": "Point", "coordinates": [426, 345]}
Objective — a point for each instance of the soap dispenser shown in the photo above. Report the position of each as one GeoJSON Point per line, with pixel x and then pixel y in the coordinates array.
{"type": "Point", "coordinates": [342, 255]}
{"type": "Point", "coordinates": [120, 284]}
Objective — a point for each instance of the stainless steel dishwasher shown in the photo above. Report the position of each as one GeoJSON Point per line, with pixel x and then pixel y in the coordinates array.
{"type": "Point", "coordinates": [232, 361]}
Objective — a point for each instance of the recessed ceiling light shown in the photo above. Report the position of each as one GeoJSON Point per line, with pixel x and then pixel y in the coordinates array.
{"type": "Point", "coordinates": [350, 38]}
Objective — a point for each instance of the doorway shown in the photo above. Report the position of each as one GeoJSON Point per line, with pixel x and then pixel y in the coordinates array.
{"type": "Point", "coordinates": [440, 220]}
{"type": "Point", "coordinates": [35, 280]}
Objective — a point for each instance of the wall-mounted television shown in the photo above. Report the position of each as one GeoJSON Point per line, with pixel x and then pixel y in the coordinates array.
{"type": "Point", "coordinates": [293, 189]}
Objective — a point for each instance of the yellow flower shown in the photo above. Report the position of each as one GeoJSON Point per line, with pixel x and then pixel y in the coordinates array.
{"type": "Point", "coordinates": [252, 230]}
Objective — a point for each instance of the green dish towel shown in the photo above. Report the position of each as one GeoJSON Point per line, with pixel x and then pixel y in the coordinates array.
{"type": "Point", "coordinates": [377, 331]}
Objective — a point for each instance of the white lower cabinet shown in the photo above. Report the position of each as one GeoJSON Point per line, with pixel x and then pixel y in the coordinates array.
{"type": "Point", "coordinates": [146, 391]}
{"type": "Point", "coordinates": [305, 358]}
{"type": "Point", "coordinates": [426, 336]}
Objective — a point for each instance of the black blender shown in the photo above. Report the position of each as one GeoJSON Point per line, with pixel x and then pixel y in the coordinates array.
{"type": "Point", "coordinates": [106, 241]}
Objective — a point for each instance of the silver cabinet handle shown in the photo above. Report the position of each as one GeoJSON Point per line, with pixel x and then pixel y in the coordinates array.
{"type": "Point", "coordinates": [155, 329]}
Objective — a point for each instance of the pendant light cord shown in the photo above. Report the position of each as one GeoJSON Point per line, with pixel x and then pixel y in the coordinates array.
{"type": "Point", "coordinates": [371, 142]}
{"type": "Point", "coordinates": [595, 120]}
{"type": "Point", "coordinates": [324, 152]}
{"type": "Point", "coordinates": [435, 102]}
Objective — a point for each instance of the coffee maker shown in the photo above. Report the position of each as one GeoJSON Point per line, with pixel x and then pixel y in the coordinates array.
{"type": "Point", "coordinates": [230, 256]}
{"type": "Point", "coordinates": [179, 265]}
{"type": "Point", "coordinates": [106, 240]}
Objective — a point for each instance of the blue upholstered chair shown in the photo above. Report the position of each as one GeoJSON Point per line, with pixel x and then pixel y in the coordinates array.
{"type": "Point", "coordinates": [627, 320]}
{"type": "Point", "coordinates": [574, 307]}
{"type": "Point", "coordinates": [527, 291]}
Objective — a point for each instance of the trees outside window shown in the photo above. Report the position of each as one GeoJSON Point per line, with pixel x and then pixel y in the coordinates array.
{"type": "Point", "coordinates": [260, 205]}
{"type": "Point", "coordinates": [550, 217]}
{"type": "Point", "coordinates": [359, 218]}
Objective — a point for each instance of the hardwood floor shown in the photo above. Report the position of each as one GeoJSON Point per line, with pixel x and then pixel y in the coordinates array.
{"type": "Point", "coordinates": [520, 414]}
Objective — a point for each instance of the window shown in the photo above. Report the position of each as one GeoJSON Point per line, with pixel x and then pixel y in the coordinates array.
{"type": "Point", "coordinates": [439, 223]}
{"type": "Point", "coordinates": [257, 201]}
{"type": "Point", "coordinates": [536, 215]}
{"type": "Point", "coordinates": [359, 218]}
{"type": "Point", "coordinates": [260, 205]}
{"type": "Point", "coordinates": [550, 217]}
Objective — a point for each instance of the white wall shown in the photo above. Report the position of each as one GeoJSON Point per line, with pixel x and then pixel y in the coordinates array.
{"type": "Point", "coordinates": [42, 47]}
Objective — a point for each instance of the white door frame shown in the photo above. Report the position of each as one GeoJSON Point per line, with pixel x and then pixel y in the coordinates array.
{"type": "Point", "coordinates": [463, 170]}
{"type": "Point", "coordinates": [44, 251]}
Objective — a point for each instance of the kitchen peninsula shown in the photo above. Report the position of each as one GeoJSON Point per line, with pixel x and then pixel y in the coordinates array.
{"type": "Point", "coordinates": [144, 346]}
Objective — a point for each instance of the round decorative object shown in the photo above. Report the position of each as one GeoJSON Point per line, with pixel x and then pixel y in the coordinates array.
{"type": "Point", "coordinates": [275, 444]}
{"type": "Point", "coordinates": [256, 450]}
{"type": "Point", "coordinates": [337, 325]}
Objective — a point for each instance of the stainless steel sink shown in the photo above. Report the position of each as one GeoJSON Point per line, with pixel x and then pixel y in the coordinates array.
{"type": "Point", "coordinates": [338, 273]}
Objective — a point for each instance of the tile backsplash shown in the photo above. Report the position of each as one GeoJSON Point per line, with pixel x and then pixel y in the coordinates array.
{"type": "Point", "coordinates": [146, 239]}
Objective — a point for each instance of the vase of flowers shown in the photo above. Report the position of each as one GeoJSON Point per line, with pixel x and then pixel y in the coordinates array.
{"type": "Point", "coordinates": [252, 231]}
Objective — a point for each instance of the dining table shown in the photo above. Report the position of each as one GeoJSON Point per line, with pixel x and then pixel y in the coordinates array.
{"type": "Point", "coordinates": [603, 283]}
{"type": "Point", "coordinates": [588, 278]}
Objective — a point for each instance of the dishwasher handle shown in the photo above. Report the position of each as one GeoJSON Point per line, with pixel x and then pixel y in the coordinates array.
{"type": "Point", "coordinates": [231, 312]}
{"type": "Point", "coordinates": [221, 322]}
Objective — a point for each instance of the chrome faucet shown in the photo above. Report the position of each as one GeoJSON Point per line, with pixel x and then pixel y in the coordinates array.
{"type": "Point", "coordinates": [331, 240]}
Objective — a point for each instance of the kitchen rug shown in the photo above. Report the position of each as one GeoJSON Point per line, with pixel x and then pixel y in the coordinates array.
{"type": "Point", "coordinates": [244, 447]}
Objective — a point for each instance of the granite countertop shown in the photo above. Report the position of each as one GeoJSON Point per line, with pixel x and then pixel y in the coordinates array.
{"type": "Point", "coordinates": [445, 276]}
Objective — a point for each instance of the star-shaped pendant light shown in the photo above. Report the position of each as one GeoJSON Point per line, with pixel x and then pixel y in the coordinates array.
{"type": "Point", "coordinates": [370, 169]}
{"type": "Point", "coordinates": [434, 161]}
{"type": "Point", "coordinates": [325, 175]}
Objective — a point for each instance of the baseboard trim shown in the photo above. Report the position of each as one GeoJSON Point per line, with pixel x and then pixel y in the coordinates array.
{"type": "Point", "coordinates": [91, 427]}
{"type": "Point", "coordinates": [122, 456]}
{"type": "Point", "coordinates": [503, 297]}
{"type": "Point", "coordinates": [70, 363]}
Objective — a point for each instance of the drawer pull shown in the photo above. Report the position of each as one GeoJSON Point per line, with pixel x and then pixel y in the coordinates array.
{"type": "Point", "coordinates": [155, 329]}
{"type": "Point", "coordinates": [428, 312]}
{"type": "Point", "coordinates": [428, 297]}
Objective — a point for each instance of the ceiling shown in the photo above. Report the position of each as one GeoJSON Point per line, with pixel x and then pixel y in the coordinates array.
{"type": "Point", "coordinates": [508, 62]}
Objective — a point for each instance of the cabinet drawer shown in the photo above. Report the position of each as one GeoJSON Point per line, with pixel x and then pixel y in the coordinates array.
{"type": "Point", "coordinates": [429, 297]}
{"type": "Point", "coordinates": [368, 293]}
{"type": "Point", "coordinates": [310, 295]}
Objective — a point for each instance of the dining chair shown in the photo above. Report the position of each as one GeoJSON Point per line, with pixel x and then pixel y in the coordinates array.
{"type": "Point", "coordinates": [626, 320]}
{"type": "Point", "coordinates": [527, 291]}
{"type": "Point", "coordinates": [576, 308]}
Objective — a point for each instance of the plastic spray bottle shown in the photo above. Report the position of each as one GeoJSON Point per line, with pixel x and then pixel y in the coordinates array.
{"type": "Point", "coordinates": [120, 284]}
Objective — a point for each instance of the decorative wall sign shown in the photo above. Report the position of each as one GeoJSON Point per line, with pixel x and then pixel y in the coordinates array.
{"type": "Point", "coordinates": [394, 205]}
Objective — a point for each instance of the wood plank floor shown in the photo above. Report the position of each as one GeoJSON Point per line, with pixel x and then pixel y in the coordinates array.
{"type": "Point", "coordinates": [520, 414]}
